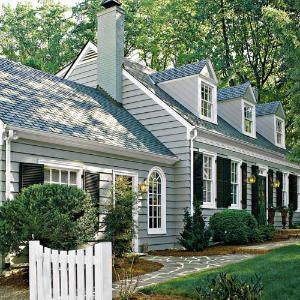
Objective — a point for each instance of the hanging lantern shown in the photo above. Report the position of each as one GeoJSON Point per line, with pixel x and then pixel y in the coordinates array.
{"type": "Point", "coordinates": [276, 183]}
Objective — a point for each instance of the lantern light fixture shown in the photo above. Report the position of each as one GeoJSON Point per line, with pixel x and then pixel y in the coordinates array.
{"type": "Point", "coordinates": [276, 183]}
{"type": "Point", "coordinates": [251, 179]}
{"type": "Point", "coordinates": [143, 187]}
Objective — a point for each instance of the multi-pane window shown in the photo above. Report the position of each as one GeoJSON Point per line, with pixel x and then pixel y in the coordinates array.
{"type": "Point", "coordinates": [234, 183]}
{"type": "Point", "coordinates": [207, 179]}
{"type": "Point", "coordinates": [285, 189]}
{"type": "Point", "coordinates": [60, 176]}
{"type": "Point", "coordinates": [206, 101]}
{"type": "Point", "coordinates": [155, 201]}
{"type": "Point", "coordinates": [248, 119]}
{"type": "Point", "coordinates": [279, 132]}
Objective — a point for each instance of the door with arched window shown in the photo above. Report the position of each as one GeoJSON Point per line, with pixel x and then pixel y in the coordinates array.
{"type": "Point", "coordinates": [156, 201]}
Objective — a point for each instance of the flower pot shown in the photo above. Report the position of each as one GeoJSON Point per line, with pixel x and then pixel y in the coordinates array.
{"type": "Point", "coordinates": [284, 213]}
{"type": "Point", "coordinates": [271, 215]}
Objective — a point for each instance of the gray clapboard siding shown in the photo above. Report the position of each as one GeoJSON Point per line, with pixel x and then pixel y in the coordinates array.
{"type": "Point", "coordinates": [33, 152]}
{"type": "Point", "coordinates": [174, 135]}
{"type": "Point", "coordinates": [2, 172]}
{"type": "Point", "coordinates": [265, 126]}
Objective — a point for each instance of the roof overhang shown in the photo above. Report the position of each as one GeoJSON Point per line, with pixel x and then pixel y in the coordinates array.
{"type": "Point", "coordinates": [89, 145]}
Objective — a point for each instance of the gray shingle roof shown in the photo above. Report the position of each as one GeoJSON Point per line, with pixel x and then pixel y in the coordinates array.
{"type": "Point", "coordinates": [223, 127]}
{"type": "Point", "coordinates": [267, 108]}
{"type": "Point", "coordinates": [233, 91]}
{"type": "Point", "coordinates": [36, 100]}
{"type": "Point", "coordinates": [175, 73]}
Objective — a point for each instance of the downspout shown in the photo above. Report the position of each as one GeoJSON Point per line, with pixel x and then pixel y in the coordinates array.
{"type": "Point", "coordinates": [193, 136]}
{"type": "Point", "coordinates": [8, 138]}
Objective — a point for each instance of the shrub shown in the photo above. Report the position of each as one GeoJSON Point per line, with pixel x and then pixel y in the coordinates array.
{"type": "Point", "coordinates": [233, 227]}
{"type": "Point", "coordinates": [265, 232]}
{"type": "Point", "coordinates": [195, 236]}
{"type": "Point", "coordinates": [230, 287]}
{"type": "Point", "coordinates": [60, 216]}
{"type": "Point", "coordinates": [118, 223]}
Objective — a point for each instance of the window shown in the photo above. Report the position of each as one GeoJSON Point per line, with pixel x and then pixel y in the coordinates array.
{"type": "Point", "coordinates": [279, 132]}
{"type": "Point", "coordinates": [248, 119]}
{"type": "Point", "coordinates": [285, 190]}
{"type": "Point", "coordinates": [61, 176]}
{"type": "Point", "coordinates": [234, 183]}
{"type": "Point", "coordinates": [207, 179]}
{"type": "Point", "coordinates": [206, 101]}
{"type": "Point", "coordinates": [156, 202]}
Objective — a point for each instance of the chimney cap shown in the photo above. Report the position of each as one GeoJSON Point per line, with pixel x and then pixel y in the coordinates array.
{"type": "Point", "coordinates": [110, 3]}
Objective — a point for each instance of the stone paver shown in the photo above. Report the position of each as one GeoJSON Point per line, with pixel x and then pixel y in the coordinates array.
{"type": "Point", "coordinates": [180, 266]}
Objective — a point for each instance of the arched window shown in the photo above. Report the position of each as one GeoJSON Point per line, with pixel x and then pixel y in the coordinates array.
{"type": "Point", "coordinates": [156, 202]}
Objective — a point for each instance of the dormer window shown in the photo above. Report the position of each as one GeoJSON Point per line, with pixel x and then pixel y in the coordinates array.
{"type": "Point", "coordinates": [279, 132]}
{"type": "Point", "coordinates": [248, 119]}
{"type": "Point", "coordinates": [206, 103]}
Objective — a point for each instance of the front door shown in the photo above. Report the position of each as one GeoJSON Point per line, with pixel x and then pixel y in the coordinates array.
{"type": "Point", "coordinates": [262, 200]}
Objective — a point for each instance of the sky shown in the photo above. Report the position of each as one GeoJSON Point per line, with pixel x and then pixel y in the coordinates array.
{"type": "Point", "coordinates": [14, 2]}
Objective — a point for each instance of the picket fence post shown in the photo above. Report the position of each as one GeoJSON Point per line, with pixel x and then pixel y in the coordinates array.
{"type": "Point", "coordinates": [85, 274]}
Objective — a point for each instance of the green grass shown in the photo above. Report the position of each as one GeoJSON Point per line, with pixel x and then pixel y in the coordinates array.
{"type": "Point", "coordinates": [280, 271]}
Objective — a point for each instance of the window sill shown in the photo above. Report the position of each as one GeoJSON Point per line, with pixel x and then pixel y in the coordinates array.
{"type": "Point", "coordinates": [208, 206]}
{"type": "Point", "coordinates": [157, 232]}
{"type": "Point", "coordinates": [234, 207]}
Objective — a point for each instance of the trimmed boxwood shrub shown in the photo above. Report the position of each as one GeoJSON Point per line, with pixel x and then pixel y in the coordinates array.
{"type": "Point", "coordinates": [60, 216]}
{"type": "Point", "coordinates": [233, 227]}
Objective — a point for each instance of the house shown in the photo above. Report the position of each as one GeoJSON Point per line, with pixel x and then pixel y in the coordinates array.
{"type": "Point", "coordinates": [103, 117]}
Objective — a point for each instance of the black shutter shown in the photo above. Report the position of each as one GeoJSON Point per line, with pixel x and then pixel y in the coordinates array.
{"type": "Point", "coordinates": [198, 178]}
{"type": "Point", "coordinates": [223, 182]}
{"type": "Point", "coordinates": [293, 192]}
{"type": "Point", "coordinates": [279, 177]}
{"type": "Point", "coordinates": [270, 188]}
{"type": "Point", "coordinates": [220, 182]}
{"type": "Point", "coordinates": [254, 189]}
{"type": "Point", "coordinates": [91, 185]}
{"type": "Point", "coordinates": [244, 185]}
{"type": "Point", "coordinates": [227, 182]}
{"type": "Point", "coordinates": [30, 174]}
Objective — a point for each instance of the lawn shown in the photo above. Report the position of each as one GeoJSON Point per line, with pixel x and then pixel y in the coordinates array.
{"type": "Point", "coordinates": [280, 270]}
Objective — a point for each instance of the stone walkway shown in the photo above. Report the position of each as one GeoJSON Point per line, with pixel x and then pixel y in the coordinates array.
{"type": "Point", "coordinates": [180, 266]}
{"type": "Point", "coordinates": [273, 245]}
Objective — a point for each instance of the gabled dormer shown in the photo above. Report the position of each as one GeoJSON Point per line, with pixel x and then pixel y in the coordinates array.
{"type": "Point", "coordinates": [194, 86]}
{"type": "Point", "coordinates": [237, 106]}
{"type": "Point", "coordinates": [271, 122]}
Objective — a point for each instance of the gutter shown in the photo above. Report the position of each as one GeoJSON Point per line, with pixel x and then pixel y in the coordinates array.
{"type": "Point", "coordinates": [8, 138]}
{"type": "Point", "coordinates": [81, 143]}
{"type": "Point", "coordinates": [192, 168]}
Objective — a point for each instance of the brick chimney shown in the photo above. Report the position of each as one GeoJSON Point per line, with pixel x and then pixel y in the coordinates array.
{"type": "Point", "coordinates": [110, 36]}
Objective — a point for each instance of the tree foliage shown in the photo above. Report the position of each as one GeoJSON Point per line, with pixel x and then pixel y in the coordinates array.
{"type": "Point", "coordinates": [246, 40]}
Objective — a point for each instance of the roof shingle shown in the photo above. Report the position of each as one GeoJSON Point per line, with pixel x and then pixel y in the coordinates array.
{"type": "Point", "coordinates": [233, 91]}
{"type": "Point", "coordinates": [175, 73]}
{"type": "Point", "coordinates": [36, 100]}
{"type": "Point", "coordinates": [267, 108]}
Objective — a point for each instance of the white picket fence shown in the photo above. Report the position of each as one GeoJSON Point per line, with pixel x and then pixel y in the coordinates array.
{"type": "Point", "coordinates": [83, 274]}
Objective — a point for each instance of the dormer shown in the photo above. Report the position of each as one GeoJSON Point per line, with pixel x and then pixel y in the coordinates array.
{"type": "Point", "coordinates": [271, 122]}
{"type": "Point", "coordinates": [237, 107]}
{"type": "Point", "coordinates": [194, 86]}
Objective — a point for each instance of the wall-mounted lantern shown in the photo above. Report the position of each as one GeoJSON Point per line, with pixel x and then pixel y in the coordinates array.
{"type": "Point", "coordinates": [251, 179]}
{"type": "Point", "coordinates": [276, 183]}
{"type": "Point", "coordinates": [143, 187]}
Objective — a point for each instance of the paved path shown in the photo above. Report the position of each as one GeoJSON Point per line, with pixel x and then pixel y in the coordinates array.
{"type": "Point", "coordinates": [180, 266]}
{"type": "Point", "coordinates": [273, 245]}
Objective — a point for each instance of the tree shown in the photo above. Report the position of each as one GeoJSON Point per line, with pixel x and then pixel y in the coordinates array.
{"type": "Point", "coordinates": [60, 216]}
{"type": "Point", "coordinates": [37, 37]}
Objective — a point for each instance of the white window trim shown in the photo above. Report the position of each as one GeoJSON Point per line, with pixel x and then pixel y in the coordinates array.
{"type": "Point", "coordinates": [282, 145]}
{"type": "Point", "coordinates": [253, 134]}
{"type": "Point", "coordinates": [298, 192]}
{"type": "Point", "coordinates": [285, 188]}
{"type": "Point", "coordinates": [238, 205]}
{"type": "Point", "coordinates": [212, 204]}
{"type": "Point", "coordinates": [163, 229]}
{"type": "Point", "coordinates": [214, 112]}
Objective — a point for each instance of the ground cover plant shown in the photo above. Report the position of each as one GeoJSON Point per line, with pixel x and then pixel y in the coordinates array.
{"type": "Point", "coordinates": [279, 270]}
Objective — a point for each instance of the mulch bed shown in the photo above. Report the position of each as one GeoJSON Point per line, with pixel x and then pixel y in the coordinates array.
{"type": "Point", "coordinates": [213, 250]}
{"type": "Point", "coordinates": [134, 266]}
